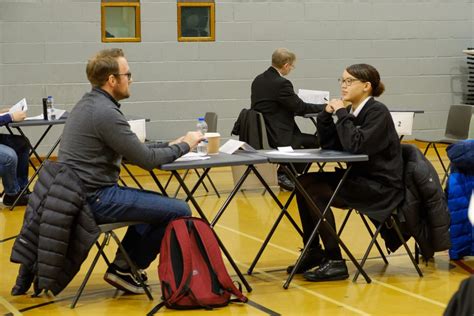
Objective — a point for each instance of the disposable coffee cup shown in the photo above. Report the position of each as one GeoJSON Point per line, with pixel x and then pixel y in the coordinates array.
{"type": "Point", "coordinates": [213, 143]}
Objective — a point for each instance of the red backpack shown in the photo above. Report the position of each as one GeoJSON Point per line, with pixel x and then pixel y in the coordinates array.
{"type": "Point", "coordinates": [191, 271]}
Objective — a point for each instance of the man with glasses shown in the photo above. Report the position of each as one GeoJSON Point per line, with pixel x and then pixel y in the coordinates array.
{"type": "Point", "coordinates": [95, 138]}
{"type": "Point", "coordinates": [273, 96]}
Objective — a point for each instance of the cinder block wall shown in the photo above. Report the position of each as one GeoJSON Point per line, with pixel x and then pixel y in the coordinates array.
{"type": "Point", "coordinates": [416, 45]}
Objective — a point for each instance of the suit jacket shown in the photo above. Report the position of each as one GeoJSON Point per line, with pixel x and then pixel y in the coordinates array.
{"type": "Point", "coordinates": [274, 97]}
{"type": "Point", "coordinates": [247, 127]}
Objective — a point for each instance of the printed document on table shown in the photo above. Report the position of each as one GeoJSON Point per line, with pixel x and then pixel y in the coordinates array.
{"type": "Point", "coordinates": [313, 96]}
{"type": "Point", "coordinates": [190, 156]}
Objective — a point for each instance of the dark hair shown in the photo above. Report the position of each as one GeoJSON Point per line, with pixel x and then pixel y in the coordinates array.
{"type": "Point", "coordinates": [102, 65]}
{"type": "Point", "coordinates": [367, 73]}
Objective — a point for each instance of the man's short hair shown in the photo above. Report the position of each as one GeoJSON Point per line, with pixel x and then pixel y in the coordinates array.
{"type": "Point", "coordinates": [281, 56]}
{"type": "Point", "coordinates": [102, 65]}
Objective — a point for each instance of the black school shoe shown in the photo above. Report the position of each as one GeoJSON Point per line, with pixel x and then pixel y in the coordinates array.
{"type": "Point", "coordinates": [329, 270]}
{"type": "Point", "coordinates": [124, 279]}
{"type": "Point", "coordinates": [285, 183]}
{"type": "Point", "coordinates": [313, 258]}
{"type": "Point", "coordinates": [8, 200]}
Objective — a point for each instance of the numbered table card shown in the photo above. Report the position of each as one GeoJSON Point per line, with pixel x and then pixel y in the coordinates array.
{"type": "Point", "coordinates": [403, 122]}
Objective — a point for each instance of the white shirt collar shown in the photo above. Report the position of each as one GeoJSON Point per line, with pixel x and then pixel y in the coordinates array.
{"type": "Point", "coordinates": [359, 108]}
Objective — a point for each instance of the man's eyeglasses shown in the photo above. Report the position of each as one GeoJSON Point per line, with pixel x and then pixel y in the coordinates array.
{"type": "Point", "coordinates": [128, 74]}
{"type": "Point", "coordinates": [347, 81]}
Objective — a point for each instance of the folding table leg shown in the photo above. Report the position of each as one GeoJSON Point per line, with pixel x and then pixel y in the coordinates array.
{"type": "Point", "coordinates": [36, 173]}
{"type": "Point", "coordinates": [203, 216]}
{"type": "Point", "coordinates": [321, 220]}
{"type": "Point", "coordinates": [158, 183]}
{"type": "Point", "coordinates": [277, 221]}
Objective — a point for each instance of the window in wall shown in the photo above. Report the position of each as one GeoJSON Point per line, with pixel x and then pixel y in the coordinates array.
{"type": "Point", "coordinates": [196, 21]}
{"type": "Point", "coordinates": [121, 21]}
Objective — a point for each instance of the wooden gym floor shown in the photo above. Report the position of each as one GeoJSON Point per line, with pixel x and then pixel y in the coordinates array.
{"type": "Point", "coordinates": [396, 288]}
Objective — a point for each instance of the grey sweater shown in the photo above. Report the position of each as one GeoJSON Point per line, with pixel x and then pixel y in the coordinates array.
{"type": "Point", "coordinates": [96, 137]}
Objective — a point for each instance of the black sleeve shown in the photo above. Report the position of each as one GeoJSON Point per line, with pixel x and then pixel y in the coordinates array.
{"type": "Point", "coordinates": [327, 133]}
{"type": "Point", "coordinates": [368, 138]}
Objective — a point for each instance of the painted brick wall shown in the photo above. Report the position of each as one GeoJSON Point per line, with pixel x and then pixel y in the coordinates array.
{"type": "Point", "coordinates": [416, 45]}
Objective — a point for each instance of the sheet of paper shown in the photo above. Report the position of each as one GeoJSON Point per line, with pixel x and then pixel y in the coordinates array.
{"type": "Point", "coordinates": [19, 106]}
{"type": "Point", "coordinates": [282, 153]}
{"type": "Point", "coordinates": [231, 146]}
{"type": "Point", "coordinates": [58, 113]}
{"type": "Point", "coordinates": [247, 147]}
{"type": "Point", "coordinates": [313, 96]}
{"type": "Point", "coordinates": [403, 122]}
{"type": "Point", "coordinates": [139, 128]}
{"type": "Point", "coordinates": [37, 117]}
{"type": "Point", "coordinates": [286, 149]}
{"type": "Point", "coordinates": [190, 156]}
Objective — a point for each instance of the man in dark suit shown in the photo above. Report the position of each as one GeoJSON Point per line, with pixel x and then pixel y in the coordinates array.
{"type": "Point", "coordinates": [273, 96]}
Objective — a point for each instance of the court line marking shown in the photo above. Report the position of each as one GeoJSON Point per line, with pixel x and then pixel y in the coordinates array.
{"type": "Point", "coordinates": [299, 287]}
{"type": "Point", "coordinates": [420, 297]}
{"type": "Point", "coordinates": [311, 292]}
{"type": "Point", "coordinates": [9, 307]}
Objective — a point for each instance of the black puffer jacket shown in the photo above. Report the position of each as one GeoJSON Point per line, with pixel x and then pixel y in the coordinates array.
{"type": "Point", "coordinates": [58, 229]}
{"type": "Point", "coordinates": [424, 208]}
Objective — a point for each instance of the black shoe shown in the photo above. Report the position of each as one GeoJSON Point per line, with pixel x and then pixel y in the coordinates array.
{"type": "Point", "coordinates": [329, 270]}
{"type": "Point", "coordinates": [8, 200]}
{"type": "Point", "coordinates": [124, 279]}
{"type": "Point", "coordinates": [285, 183]}
{"type": "Point", "coordinates": [313, 258]}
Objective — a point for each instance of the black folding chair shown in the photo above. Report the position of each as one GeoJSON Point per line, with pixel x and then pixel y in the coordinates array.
{"type": "Point", "coordinates": [390, 222]}
{"type": "Point", "coordinates": [457, 129]}
{"type": "Point", "coordinates": [108, 231]}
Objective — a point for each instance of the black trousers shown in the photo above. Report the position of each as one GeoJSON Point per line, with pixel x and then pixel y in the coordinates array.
{"type": "Point", "coordinates": [320, 187]}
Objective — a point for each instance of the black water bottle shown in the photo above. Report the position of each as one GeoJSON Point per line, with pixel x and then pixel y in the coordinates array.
{"type": "Point", "coordinates": [45, 109]}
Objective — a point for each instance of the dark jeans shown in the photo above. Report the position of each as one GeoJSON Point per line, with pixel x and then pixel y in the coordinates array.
{"type": "Point", "coordinates": [14, 156]}
{"type": "Point", "coordinates": [120, 204]}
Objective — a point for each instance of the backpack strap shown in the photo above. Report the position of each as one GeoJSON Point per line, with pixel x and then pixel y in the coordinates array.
{"type": "Point", "coordinates": [209, 240]}
{"type": "Point", "coordinates": [182, 235]}
{"type": "Point", "coordinates": [155, 309]}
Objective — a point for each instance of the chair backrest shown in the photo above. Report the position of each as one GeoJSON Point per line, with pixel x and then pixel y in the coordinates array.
{"type": "Point", "coordinates": [459, 119]}
{"type": "Point", "coordinates": [211, 121]}
{"type": "Point", "coordinates": [263, 131]}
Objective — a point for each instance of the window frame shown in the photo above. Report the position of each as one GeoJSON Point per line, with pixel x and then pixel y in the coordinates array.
{"type": "Point", "coordinates": [212, 22]}
{"type": "Point", "coordinates": [137, 38]}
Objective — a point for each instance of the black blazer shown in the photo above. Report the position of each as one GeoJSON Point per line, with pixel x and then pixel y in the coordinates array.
{"type": "Point", "coordinates": [374, 187]}
{"type": "Point", "coordinates": [274, 97]}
